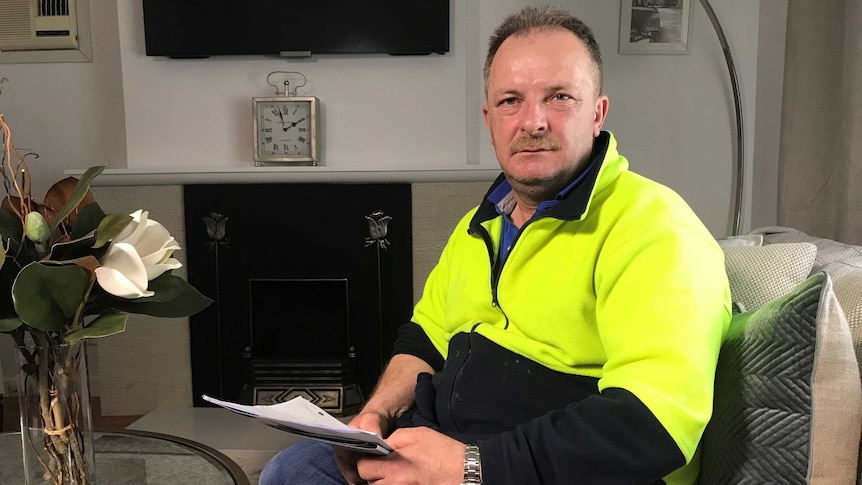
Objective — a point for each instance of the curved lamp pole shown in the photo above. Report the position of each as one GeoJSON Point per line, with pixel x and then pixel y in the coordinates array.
{"type": "Point", "coordinates": [740, 138]}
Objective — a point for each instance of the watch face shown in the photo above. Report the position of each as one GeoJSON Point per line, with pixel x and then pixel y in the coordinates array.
{"type": "Point", "coordinates": [285, 129]}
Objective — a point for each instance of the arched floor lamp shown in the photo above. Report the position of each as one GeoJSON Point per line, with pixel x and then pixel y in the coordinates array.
{"type": "Point", "coordinates": [740, 138]}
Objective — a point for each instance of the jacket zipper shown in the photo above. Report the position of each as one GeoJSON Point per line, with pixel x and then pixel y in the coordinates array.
{"type": "Point", "coordinates": [496, 265]}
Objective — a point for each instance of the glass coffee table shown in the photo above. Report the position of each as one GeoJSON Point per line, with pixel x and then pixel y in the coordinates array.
{"type": "Point", "coordinates": [139, 457]}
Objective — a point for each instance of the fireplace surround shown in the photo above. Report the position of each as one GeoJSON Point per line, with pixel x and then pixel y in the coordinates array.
{"type": "Point", "coordinates": [310, 282]}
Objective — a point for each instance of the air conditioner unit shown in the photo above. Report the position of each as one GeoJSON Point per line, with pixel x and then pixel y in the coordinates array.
{"type": "Point", "coordinates": [38, 25]}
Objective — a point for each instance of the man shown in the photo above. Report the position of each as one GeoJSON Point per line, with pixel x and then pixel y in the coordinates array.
{"type": "Point", "coordinates": [570, 331]}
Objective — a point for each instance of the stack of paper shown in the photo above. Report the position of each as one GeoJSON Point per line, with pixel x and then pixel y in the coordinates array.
{"type": "Point", "coordinates": [303, 418]}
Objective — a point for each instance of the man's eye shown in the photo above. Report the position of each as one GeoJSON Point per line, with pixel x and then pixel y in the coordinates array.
{"type": "Point", "coordinates": [508, 102]}
{"type": "Point", "coordinates": [562, 97]}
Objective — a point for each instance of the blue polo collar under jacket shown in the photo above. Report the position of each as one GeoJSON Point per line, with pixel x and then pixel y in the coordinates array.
{"type": "Point", "coordinates": [502, 197]}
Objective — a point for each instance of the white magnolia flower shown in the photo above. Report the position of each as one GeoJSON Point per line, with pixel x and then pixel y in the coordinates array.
{"type": "Point", "coordinates": [139, 254]}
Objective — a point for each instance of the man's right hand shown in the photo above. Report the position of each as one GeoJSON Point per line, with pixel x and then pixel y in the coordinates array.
{"type": "Point", "coordinates": [346, 459]}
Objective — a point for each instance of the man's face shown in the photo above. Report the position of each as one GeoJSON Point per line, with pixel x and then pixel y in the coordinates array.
{"type": "Point", "coordinates": [543, 110]}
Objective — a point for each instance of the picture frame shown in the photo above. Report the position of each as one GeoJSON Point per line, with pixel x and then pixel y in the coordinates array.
{"type": "Point", "coordinates": [655, 26]}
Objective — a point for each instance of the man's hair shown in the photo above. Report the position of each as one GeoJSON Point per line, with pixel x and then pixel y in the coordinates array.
{"type": "Point", "coordinates": [532, 19]}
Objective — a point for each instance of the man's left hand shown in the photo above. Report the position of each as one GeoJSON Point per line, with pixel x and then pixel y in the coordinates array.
{"type": "Point", "coordinates": [420, 456]}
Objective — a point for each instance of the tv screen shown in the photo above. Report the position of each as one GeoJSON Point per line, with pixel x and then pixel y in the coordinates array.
{"type": "Point", "coordinates": [198, 28]}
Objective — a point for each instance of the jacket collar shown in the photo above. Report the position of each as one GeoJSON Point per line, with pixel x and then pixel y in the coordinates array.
{"type": "Point", "coordinates": [573, 205]}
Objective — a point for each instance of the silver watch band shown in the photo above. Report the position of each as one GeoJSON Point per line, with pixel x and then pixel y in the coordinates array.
{"type": "Point", "coordinates": [472, 466]}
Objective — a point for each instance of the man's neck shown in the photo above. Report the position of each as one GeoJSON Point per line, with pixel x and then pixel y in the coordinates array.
{"type": "Point", "coordinates": [522, 212]}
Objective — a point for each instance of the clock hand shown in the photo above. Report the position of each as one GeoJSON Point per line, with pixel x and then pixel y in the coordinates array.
{"type": "Point", "coordinates": [294, 123]}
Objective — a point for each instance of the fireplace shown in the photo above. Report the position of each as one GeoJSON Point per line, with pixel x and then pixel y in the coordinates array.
{"type": "Point", "coordinates": [310, 282]}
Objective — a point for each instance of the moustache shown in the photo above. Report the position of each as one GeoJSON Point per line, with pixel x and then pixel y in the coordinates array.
{"type": "Point", "coordinates": [545, 142]}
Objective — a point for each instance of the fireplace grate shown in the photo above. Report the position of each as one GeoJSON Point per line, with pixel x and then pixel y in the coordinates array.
{"type": "Point", "coordinates": [286, 372]}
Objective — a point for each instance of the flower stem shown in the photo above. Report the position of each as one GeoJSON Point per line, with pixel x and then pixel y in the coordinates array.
{"type": "Point", "coordinates": [78, 319]}
{"type": "Point", "coordinates": [45, 392]}
{"type": "Point", "coordinates": [57, 369]}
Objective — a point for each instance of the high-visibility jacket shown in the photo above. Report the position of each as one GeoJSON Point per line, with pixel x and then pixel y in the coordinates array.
{"type": "Point", "coordinates": [589, 355]}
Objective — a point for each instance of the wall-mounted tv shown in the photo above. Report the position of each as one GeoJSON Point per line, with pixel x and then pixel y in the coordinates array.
{"type": "Point", "coordinates": [202, 28]}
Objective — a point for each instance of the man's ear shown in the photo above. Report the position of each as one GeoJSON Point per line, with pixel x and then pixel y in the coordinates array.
{"type": "Point", "coordinates": [601, 112]}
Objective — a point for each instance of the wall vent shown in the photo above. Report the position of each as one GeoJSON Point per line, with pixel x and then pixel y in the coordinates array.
{"type": "Point", "coordinates": [38, 25]}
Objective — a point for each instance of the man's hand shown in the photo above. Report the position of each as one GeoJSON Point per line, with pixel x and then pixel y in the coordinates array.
{"type": "Point", "coordinates": [346, 459]}
{"type": "Point", "coordinates": [394, 395]}
{"type": "Point", "coordinates": [420, 456]}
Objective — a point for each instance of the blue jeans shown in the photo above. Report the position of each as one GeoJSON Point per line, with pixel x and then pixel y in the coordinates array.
{"type": "Point", "coordinates": [308, 462]}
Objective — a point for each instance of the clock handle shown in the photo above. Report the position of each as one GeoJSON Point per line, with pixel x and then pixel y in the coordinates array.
{"type": "Point", "coordinates": [286, 83]}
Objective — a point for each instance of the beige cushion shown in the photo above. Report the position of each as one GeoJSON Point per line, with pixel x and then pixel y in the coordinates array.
{"type": "Point", "coordinates": [759, 274]}
{"type": "Point", "coordinates": [847, 284]}
{"type": "Point", "coordinates": [827, 249]}
{"type": "Point", "coordinates": [837, 403]}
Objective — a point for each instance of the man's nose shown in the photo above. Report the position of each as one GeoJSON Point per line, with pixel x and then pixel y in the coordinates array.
{"type": "Point", "coordinates": [535, 119]}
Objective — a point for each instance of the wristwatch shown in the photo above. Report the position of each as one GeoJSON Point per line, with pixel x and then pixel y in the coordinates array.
{"type": "Point", "coordinates": [472, 466]}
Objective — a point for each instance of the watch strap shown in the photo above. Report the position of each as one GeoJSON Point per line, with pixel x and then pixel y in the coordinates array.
{"type": "Point", "coordinates": [472, 466]}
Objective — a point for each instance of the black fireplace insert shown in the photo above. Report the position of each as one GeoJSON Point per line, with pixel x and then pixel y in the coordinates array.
{"type": "Point", "coordinates": [310, 282]}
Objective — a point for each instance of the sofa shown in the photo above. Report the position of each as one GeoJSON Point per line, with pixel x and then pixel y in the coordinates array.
{"type": "Point", "coordinates": [788, 395]}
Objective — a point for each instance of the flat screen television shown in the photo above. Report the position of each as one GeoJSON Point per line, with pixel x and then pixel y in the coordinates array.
{"type": "Point", "coordinates": [202, 28]}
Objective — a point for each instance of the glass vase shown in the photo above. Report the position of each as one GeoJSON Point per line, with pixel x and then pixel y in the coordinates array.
{"type": "Point", "coordinates": [56, 421]}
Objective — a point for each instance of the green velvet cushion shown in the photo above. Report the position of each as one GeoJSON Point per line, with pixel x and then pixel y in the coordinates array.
{"type": "Point", "coordinates": [787, 394]}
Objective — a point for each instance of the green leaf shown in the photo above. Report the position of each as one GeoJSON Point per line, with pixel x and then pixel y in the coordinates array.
{"type": "Point", "coordinates": [87, 221]}
{"type": "Point", "coordinates": [78, 195]}
{"type": "Point", "coordinates": [11, 230]}
{"type": "Point", "coordinates": [188, 302]}
{"type": "Point", "coordinates": [103, 326]}
{"type": "Point", "coordinates": [110, 227]}
{"type": "Point", "coordinates": [46, 297]}
{"type": "Point", "coordinates": [71, 249]}
{"type": "Point", "coordinates": [9, 324]}
{"type": "Point", "coordinates": [91, 243]}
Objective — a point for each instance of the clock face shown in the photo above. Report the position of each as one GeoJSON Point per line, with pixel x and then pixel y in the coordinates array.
{"type": "Point", "coordinates": [285, 129]}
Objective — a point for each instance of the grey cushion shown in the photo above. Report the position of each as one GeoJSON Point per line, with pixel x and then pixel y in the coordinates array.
{"type": "Point", "coordinates": [787, 394]}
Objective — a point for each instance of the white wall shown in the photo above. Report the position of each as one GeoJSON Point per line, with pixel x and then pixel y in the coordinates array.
{"type": "Point", "coordinates": [673, 115]}
{"type": "Point", "coordinates": [770, 92]}
{"type": "Point", "coordinates": [72, 114]}
{"type": "Point", "coordinates": [377, 110]}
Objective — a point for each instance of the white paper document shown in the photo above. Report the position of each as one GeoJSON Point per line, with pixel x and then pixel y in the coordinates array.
{"type": "Point", "coordinates": [301, 417]}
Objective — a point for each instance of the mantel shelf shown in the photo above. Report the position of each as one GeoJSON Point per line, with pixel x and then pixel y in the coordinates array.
{"type": "Point", "coordinates": [305, 174]}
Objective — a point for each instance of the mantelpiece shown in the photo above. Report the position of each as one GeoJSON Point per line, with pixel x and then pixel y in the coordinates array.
{"type": "Point", "coordinates": [322, 174]}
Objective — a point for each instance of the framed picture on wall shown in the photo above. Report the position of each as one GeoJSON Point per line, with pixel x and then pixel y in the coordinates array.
{"type": "Point", "coordinates": [655, 26]}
